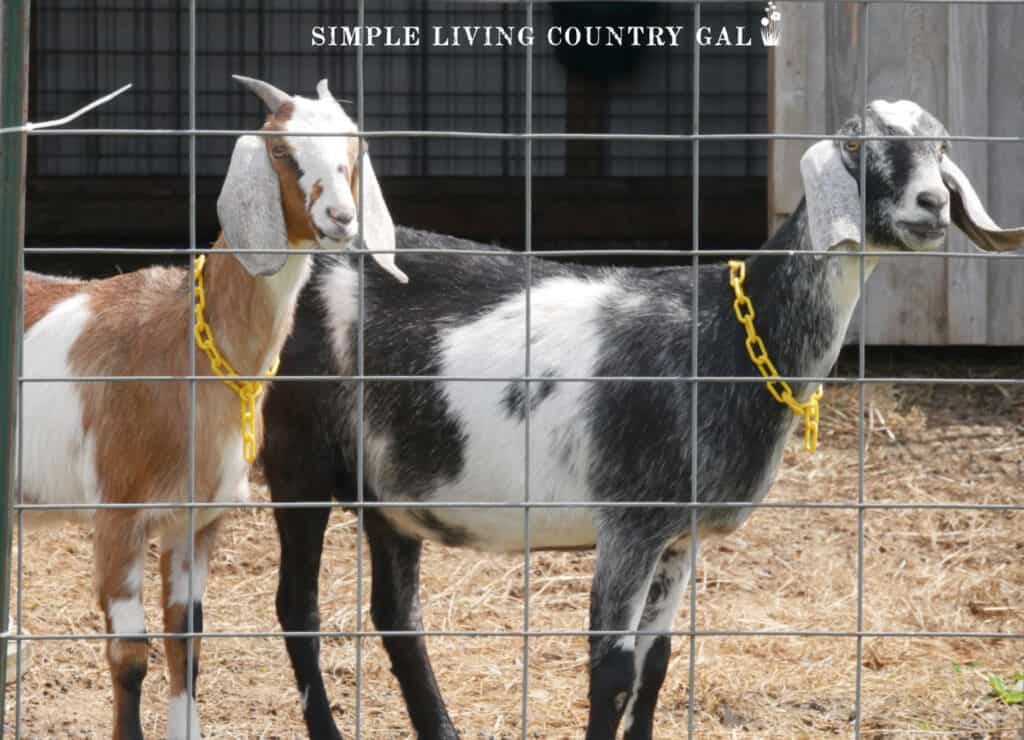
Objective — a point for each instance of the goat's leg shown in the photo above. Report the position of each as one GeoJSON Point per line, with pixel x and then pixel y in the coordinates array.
{"type": "Point", "coordinates": [395, 605]}
{"type": "Point", "coordinates": [625, 566]}
{"type": "Point", "coordinates": [301, 532]}
{"type": "Point", "coordinates": [652, 651]}
{"type": "Point", "coordinates": [175, 572]}
{"type": "Point", "coordinates": [120, 560]}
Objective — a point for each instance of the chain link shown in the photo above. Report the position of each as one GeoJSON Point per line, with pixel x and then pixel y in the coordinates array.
{"type": "Point", "coordinates": [779, 389]}
{"type": "Point", "coordinates": [248, 390]}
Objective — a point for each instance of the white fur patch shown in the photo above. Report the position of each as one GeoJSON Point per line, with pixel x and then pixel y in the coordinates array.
{"type": "Point", "coordinates": [181, 712]}
{"type": "Point", "coordinates": [233, 486]}
{"type": "Point", "coordinates": [903, 114]}
{"type": "Point", "coordinates": [325, 161]}
{"type": "Point", "coordinates": [127, 617]}
{"type": "Point", "coordinates": [338, 289]}
{"type": "Point", "coordinates": [844, 282]}
{"type": "Point", "coordinates": [283, 288]}
{"type": "Point", "coordinates": [564, 343]}
{"type": "Point", "coordinates": [133, 581]}
{"type": "Point", "coordinates": [59, 460]}
{"type": "Point", "coordinates": [180, 577]}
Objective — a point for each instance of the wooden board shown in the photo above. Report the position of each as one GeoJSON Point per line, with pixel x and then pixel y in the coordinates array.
{"type": "Point", "coordinates": [962, 62]}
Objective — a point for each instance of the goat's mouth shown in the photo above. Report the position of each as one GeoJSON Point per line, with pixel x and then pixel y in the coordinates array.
{"type": "Point", "coordinates": [340, 234]}
{"type": "Point", "coordinates": [925, 231]}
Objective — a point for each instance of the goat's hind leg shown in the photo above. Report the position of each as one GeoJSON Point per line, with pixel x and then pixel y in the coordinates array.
{"type": "Point", "coordinates": [625, 566]}
{"type": "Point", "coordinates": [120, 552]}
{"type": "Point", "coordinates": [395, 605]}
{"type": "Point", "coordinates": [176, 571]}
{"type": "Point", "coordinates": [652, 650]}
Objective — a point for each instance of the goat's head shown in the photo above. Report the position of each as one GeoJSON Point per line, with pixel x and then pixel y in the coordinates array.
{"type": "Point", "coordinates": [302, 191]}
{"type": "Point", "coordinates": [913, 187]}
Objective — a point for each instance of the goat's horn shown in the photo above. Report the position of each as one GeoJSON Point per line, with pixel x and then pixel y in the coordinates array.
{"type": "Point", "coordinates": [322, 90]}
{"type": "Point", "coordinates": [269, 94]}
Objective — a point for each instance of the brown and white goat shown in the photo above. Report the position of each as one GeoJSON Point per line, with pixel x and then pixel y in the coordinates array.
{"type": "Point", "coordinates": [128, 441]}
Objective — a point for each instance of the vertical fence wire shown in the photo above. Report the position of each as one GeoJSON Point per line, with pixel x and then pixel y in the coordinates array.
{"type": "Point", "coordinates": [528, 247]}
{"type": "Point", "coordinates": [14, 47]}
{"type": "Point", "coordinates": [861, 373]}
{"type": "Point", "coordinates": [16, 204]}
{"type": "Point", "coordinates": [192, 227]}
{"type": "Point", "coordinates": [694, 384]}
{"type": "Point", "coordinates": [361, 369]}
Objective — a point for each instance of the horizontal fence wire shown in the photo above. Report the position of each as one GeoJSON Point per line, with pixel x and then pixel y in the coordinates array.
{"type": "Point", "coordinates": [403, 505]}
{"type": "Point", "coordinates": [861, 505]}
{"type": "Point", "coordinates": [514, 633]}
{"type": "Point", "coordinates": [534, 378]}
{"type": "Point", "coordinates": [427, 134]}
{"type": "Point", "coordinates": [709, 255]}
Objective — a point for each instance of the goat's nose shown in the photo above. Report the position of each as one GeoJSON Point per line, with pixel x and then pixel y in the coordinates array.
{"type": "Point", "coordinates": [340, 216]}
{"type": "Point", "coordinates": [932, 200]}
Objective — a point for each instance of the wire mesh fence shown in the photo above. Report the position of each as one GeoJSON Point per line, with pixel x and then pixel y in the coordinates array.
{"type": "Point", "coordinates": [426, 140]}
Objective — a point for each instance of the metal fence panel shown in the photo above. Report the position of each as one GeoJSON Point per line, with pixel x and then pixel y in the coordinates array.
{"type": "Point", "coordinates": [524, 124]}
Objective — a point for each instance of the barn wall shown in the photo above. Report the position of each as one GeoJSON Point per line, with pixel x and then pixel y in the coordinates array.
{"type": "Point", "coordinates": [961, 62]}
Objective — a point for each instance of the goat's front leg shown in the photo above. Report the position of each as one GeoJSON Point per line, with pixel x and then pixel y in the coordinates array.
{"type": "Point", "coordinates": [652, 650]}
{"type": "Point", "coordinates": [176, 570]}
{"type": "Point", "coordinates": [119, 543]}
{"type": "Point", "coordinates": [625, 565]}
{"type": "Point", "coordinates": [395, 605]}
{"type": "Point", "coordinates": [301, 532]}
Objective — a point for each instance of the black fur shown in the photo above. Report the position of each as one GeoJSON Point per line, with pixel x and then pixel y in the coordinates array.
{"type": "Point", "coordinates": [514, 396]}
{"type": "Point", "coordinates": [652, 676]}
{"type": "Point", "coordinates": [611, 680]}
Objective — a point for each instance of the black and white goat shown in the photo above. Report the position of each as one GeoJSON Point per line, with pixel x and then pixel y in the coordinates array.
{"type": "Point", "coordinates": [612, 441]}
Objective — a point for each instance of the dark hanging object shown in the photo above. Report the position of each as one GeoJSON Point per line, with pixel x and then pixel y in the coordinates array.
{"type": "Point", "coordinates": [602, 62]}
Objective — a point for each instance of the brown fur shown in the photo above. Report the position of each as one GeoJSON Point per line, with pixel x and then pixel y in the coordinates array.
{"type": "Point", "coordinates": [297, 221]}
{"type": "Point", "coordinates": [43, 292]}
{"type": "Point", "coordinates": [140, 326]}
{"type": "Point", "coordinates": [314, 196]}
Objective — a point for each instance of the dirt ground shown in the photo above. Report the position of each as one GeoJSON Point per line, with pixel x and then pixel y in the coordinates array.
{"type": "Point", "coordinates": [924, 570]}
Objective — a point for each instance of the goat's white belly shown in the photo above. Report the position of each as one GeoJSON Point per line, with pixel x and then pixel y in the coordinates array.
{"type": "Point", "coordinates": [58, 461]}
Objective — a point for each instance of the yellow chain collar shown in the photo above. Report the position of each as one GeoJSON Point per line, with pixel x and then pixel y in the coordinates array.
{"type": "Point", "coordinates": [248, 390]}
{"type": "Point", "coordinates": [779, 389]}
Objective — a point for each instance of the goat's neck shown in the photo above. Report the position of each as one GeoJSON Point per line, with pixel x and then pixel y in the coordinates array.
{"type": "Point", "coordinates": [251, 316]}
{"type": "Point", "coordinates": [805, 274]}
{"type": "Point", "coordinates": [805, 301]}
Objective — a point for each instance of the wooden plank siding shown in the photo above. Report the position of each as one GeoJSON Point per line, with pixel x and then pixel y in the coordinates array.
{"type": "Point", "coordinates": [963, 63]}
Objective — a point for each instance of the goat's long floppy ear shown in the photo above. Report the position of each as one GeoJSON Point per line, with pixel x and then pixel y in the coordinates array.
{"type": "Point", "coordinates": [249, 208]}
{"type": "Point", "coordinates": [833, 201]}
{"type": "Point", "coordinates": [969, 214]}
{"type": "Point", "coordinates": [378, 228]}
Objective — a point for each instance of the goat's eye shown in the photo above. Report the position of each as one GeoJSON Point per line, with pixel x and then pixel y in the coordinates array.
{"type": "Point", "coordinates": [279, 150]}
{"type": "Point", "coordinates": [852, 147]}
{"type": "Point", "coordinates": [943, 149]}
{"type": "Point", "coordinates": [341, 169]}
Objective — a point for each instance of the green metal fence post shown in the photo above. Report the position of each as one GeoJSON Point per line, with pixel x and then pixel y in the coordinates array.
{"type": "Point", "coordinates": [13, 112]}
